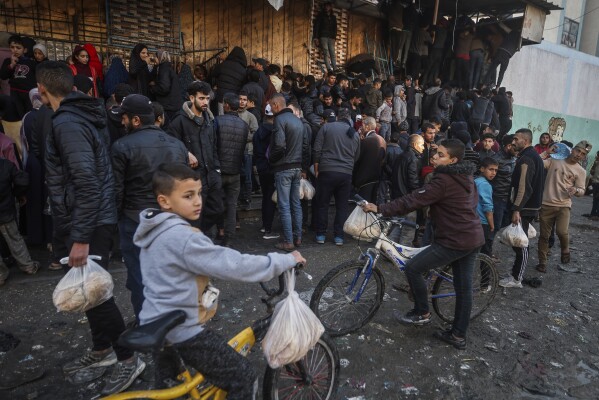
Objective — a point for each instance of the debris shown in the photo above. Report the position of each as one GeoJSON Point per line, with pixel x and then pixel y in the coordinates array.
{"type": "Point", "coordinates": [579, 307]}
{"type": "Point", "coordinates": [409, 389]}
{"type": "Point", "coordinates": [28, 357]}
{"type": "Point", "coordinates": [492, 347]}
{"type": "Point", "coordinates": [8, 341]}
{"type": "Point", "coordinates": [556, 364]}
{"type": "Point", "coordinates": [381, 328]}
{"type": "Point", "coordinates": [356, 384]}
{"type": "Point", "coordinates": [37, 347]}
{"type": "Point", "coordinates": [568, 269]}
{"type": "Point", "coordinates": [361, 337]}
{"type": "Point", "coordinates": [525, 335]}
{"type": "Point", "coordinates": [344, 362]}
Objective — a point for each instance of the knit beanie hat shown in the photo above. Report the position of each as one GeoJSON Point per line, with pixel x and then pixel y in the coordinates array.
{"type": "Point", "coordinates": [41, 48]}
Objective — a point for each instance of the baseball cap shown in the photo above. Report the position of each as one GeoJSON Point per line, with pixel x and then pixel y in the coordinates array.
{"type": "Point", "coordinates": [584, 146]}
{"type": "Point", "coordinates": [330, 115]}
{"type": "Point", "coordinates": [134, 104]}
{"type": "Point", "coordinates": [268, 111]}
{"type": "Point", "coordinates": [260, 61]}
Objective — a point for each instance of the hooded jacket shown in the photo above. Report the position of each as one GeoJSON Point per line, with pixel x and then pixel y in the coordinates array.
{"type": "Point", "coordinates": [434, 103]}
{"type": "Point", "coordinates": [78, 168]}
{"type": "Point", "coordinates": [528, 183]}
{"type": "Point", "coordinates": [174, 255]}
{"type": "Point", "coordinates": [166, 88]}
{"type": "Point", "coordinates": [230, 74]}
{"type": "Point", "coordinates": [287, 142]}
{"type": "Point", "coordinates": [400, 107]}
{"type": "Point", "coordinates": [135, 157]}
{"type": "Point", "coordinates": [453, 199]}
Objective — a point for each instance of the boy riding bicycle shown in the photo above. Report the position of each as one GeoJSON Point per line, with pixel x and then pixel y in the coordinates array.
{"type": "Point", "coordinates": [176, 260]}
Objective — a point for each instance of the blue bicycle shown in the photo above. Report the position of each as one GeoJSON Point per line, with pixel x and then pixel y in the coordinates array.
{"type": "Point", "coordinates": [350, 294]}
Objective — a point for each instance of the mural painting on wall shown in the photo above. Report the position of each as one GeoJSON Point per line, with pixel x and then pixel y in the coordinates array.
{"type": "Point", "coordinates": [557, 127]}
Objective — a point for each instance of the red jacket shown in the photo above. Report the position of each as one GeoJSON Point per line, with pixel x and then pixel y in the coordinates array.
{"type": "Point", "coordinates": [452, 197]}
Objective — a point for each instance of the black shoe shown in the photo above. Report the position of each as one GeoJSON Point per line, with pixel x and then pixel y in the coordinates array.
{"type": "Point", "coordinates": [411, 318]}
{"type": "Point", "coordinates": [448, 337]}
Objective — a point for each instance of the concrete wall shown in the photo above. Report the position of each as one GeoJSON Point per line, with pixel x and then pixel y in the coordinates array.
{"type": "Point", "coordinates": [590, 29]}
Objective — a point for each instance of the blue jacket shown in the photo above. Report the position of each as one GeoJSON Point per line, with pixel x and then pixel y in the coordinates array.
{"type": "Point", "coordinates": [485, 198]}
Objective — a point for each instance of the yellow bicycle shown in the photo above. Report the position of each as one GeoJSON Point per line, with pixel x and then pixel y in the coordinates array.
{"type": "Point", "coordinates": [316, 376]}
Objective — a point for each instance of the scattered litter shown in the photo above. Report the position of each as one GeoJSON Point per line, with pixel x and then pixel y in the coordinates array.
{"type": "Point", "coordinates": [465, 367]}
{"type": "Point", "coordinates": [37, 347]}
{"type": "Point", "coordinates": [361, 337]}
{"type": "Point", "coordinates": [356, 384]}
{"type": "Point", "coordinates": [82, 320]}
{"type": "Point", "coordinates": [492, 347]}
{"type": "Point", "coordinates": [386, 297]}
{"type": "Point", "coordinates": [493, 328]}
{"type": "Point", "coordinates": [344, 362]}
{"type": "Point", "coordinates": [357, 398]}
{"type": "Point", "coordinates": [389, 341]}
{"type": "Point", "coordinates": [28, 357]}
{"type": "Point", "coordinates": [568, 269]}
{"type": "Point", "coordinates": [387, 385]}
{"type": "Point", "coordinates": [579, 307]}
{"type": "Point", "coordinates": [381, 328]}
{"type": "Point", "coordinates": [409, 389]}
{"type": "Point", "coordinates": [450, 380]}
{"type": "Point", "coordinates": [525, 335]}
{"type": "Point", "coordinates": [237, 311]}
{"type": "Point", "coordinates": [560, 322]}
{"type": "Point", "coordinates": [556, 364]}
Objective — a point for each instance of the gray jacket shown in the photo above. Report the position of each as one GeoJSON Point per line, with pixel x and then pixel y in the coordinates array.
{"type": "Point", "coordinates": [287, 142]}
{"type": "Point", "coordinates": [336, 148]}
{"type": "Point", "coordinates": [173, 256]}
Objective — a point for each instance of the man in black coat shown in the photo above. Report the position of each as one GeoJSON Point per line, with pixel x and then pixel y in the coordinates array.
{"type": "Point", "coordinates": [165, 87]}
{"type": "Point", "coordinates": [406, 170]}
{"type": "Point", "coordinates": [135, 158]}
{"type": "Point", "coordinates": [502, 107]}
{"type": "Point", "coordinates": [195, 127]}
{"type": "Point", "coordinates": [232, 134]}
{"type": "Point", "coordinates": [230, 75]}
{"type": "Point", "coordinates": [412, 119]}
{"type": "Point", "coordinates": [367, 170]}
{"type": "Point", "coordinates": [82, 196]}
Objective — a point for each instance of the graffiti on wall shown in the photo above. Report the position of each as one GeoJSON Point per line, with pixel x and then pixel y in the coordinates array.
{"type": "Point", "coordinates": [556, 128]}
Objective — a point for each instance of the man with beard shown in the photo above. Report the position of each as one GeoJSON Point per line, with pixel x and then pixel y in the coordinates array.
{"type": "Point", "coordinates": [135, 157]}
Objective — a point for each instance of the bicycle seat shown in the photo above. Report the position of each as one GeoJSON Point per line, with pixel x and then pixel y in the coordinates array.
{"type": "Point", "coordinates": [148, 337]}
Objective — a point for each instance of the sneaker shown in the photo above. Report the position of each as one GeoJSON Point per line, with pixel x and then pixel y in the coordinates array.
{"type": "Point", "coordinates": [270, 235]}
{"type": "Point", "coordinates": [123, 375]}
{"type": "Point", "coordinates": [320, 239]}
{"type": "Point", "coordinates": [510, 282]}
{"type": "Point", "coordinates": [411, 318]}
{"type": "Point", "coordinates": [448, 337]}
{"type": "Point", "coordinates": [90, 360]}
{"type": "Point", "coordinates": [338, 241]}
{"type": "Point", "coordinates": [485, 289]}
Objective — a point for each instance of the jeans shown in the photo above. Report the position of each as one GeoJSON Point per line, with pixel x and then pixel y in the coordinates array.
{"type": "Point", "coordinates": [405, 39]}
{"type": "Point", "coordinates": [462, 265]}
{"type": "Point", "coordinates": [332, 184]}
{"type": "Point", "coordinates": [267, 182]}
{"type": "Point", "coordinates": [231, 188]}
{"type": "Point", "coordinates": [246, 178]}
{"type": "Point", "coordinates": [501, 216]}
{"type": "Point", "coordinates": [413, 123]}
{"type": "Point", "coordinates": [288, 197]}
{"type": "Point", "coordinates": [477, 58]}
{"type": "Point", "coordinates": [488, 246]}
{"type": "Point", "coordinates": [385, 131]}
{"type": "Point", "coordinates": [595, 210]}
{"type": "Point", "coordinates": [367, 191]}
{"type": "Point", "coordinates": [435, 61]}
{"type": "Point", "coordinates": [502, 58]}
{"type": "Point", "coordinates": [548, 217]}
{"type": "Point", "coordinates": [18, 249]}
{"type": "Point", "coordinates": [130, 251]}
{"type": "Point", "coordinates": [521, 260]}
{"type": "Point", "coordinates": [327, 46]}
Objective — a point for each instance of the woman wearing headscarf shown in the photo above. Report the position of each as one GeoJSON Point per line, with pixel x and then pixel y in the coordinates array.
{"type": "Point", "coordinates": [116, 73]}
{"type": "Point", "coordinates": [81, 66]}
{"type": "Point", "coordinates": [40, 53]}
{"type": "Point", "coordinates": [165, 87]}
{"type": "Point", "coordinates": [185, 79]}
{"type": "Point", "coordinates": [94, 60]}
{"type": "Point", "coordinates": [140, 72]}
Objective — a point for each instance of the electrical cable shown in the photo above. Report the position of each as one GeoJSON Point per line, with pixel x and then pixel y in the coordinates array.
{"type": "Point", "coordinates": [573, 19]}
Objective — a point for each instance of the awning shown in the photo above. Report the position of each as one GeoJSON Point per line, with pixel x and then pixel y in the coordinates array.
{"type": "Point", "coordinates": [489, 7]}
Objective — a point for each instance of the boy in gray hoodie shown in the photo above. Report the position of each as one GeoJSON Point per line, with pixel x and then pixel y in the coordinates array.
{"type": "Point", "coordinates": [174, 258]}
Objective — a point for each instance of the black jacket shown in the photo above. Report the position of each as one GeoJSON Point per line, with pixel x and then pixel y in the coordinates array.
{"type": "Point", "coordinates": [391, 156]}
{"type": "Point", "coordinates": [502, 105]}
{"type": "Point", "coordinates": [261, 142]}
{"type": "Point", "coordinates": [232, 135]}
{"type": "Point", "coordinates": [230, 74]}
{"type": "Point", "coordinates": [405, 175]}
{"type": "Point", "coordinates": [22, 77]}
{"type": "Point", "coordinates": [256, 89]}
{"type": "Point", "coordinates": [411, 101]}
{"type": "Point", "coordinates": [116, 130]}
{"type": "Point", "coordinates": [434, 103]}
{"type": "Point", "coordinates": [13, 183]}
{"type": "Point", "coordinates": [135, 157]}
{"type": "Point", "coordinates": [368, 167]}
{"type": "Point", "coordinates": [166, 89]}
{"type": "Point", "coordinates": [325, 25]}
{"type": "Point", "coordinates": [461, 112]}
{"type": "Point", "coordinates": [502, 181]}
{"type": "Point", "coordinates": [528, 182]}
{"type": "Point", "coordinates": [479, 109]}
{"type": "Point", "coordinates": [78, 168]}
{"type": "Point", "coordinates": [42, 124]}
{"type": "Point", "coordinates": [287, 142]}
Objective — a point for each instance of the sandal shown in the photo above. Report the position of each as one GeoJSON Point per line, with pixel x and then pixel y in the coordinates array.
{"type": "Point", "coordinates": [55, 267]}
{"type": "Point", "coordinates": [565, 258]}
{"type": "Point", "coordinates": [35, 266]}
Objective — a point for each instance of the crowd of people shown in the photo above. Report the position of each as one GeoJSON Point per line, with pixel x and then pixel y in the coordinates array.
{"type": "Point", "coordinates": [91, 137]}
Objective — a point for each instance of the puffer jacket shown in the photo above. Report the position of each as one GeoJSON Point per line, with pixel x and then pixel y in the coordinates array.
{"type": "Point", "coordinates": [502, 181]}
{"type": "Point", "coordinates": [286, 143]}
{"type": "Point", "coordinates": [452, 197]}
{"type": "Point", "coordinates": [232, 134]}
{"type": "Point", "coordinates": [479, 109]}
{"type": "Point", "coordinates": [405, 173]}
{"type": "Point", "coordinates": [261, 142]}
{"type": "Point", "coordinates": [198, 134]}
{"type": "Point", "coordinates": [230, 74]}
{"type": "Point", "coordinates": [78, 168]}
{"type": "Point", "coordinates": [135, 157]}
{"type": "Point", "coordinates": [166, 90]}
{"type": "Point", "coordinates": [435, 103]}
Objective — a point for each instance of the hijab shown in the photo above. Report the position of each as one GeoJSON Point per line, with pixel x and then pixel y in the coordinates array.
{"type": "Point", "coordinates": [82, 69]}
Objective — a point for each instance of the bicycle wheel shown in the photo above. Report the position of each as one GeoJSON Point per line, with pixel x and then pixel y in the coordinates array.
{"type": "Point", "coordinates": [485, 282]}
{"type": "Point", "coordinates": [316, 376]}
{"type": "Point", "coordinates": [334, 299]}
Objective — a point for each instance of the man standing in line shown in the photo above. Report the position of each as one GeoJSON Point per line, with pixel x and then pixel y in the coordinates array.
{"type": "Point", "coordinates": [502, 182]}
{"type": "Point", "coordinates": [325, 33]}
{"type": "Point", "coordinates": [286, 156]}
{"type": "Point", "coordinates": [367, 169]}
{"type": "Point", "coordinates": [245, 195]}
{"type": "Point", "coordinates": [528, 180]}
{"type": "Point", "coordinates": [82, 196]}
{"type": "Point", "coordinates": [135, 157]}
{"type": "Point", "coordinates": [565, 178]}
{"type": "Point", "coordinates": [412, 119]}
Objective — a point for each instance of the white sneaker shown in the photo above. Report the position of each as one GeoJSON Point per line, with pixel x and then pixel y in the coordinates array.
{"type": "Point", "coordinates": [510, 282]}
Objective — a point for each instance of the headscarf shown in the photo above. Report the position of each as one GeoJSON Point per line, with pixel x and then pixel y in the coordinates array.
{"type": "Point", "coordinates": [41, 48]}
{"type": "Point", "coordinates": [116, 73]}
{"type": "Point", "coordinates": [83, 69]}
{"type": "Point", "coordinates": [94, 60]}
{"type": "Point", "coordinates": [185, 79]}
{"type": "Point", "coordinates": [136, 64]}
{"type": "Point", "coordinates": [35, 98]}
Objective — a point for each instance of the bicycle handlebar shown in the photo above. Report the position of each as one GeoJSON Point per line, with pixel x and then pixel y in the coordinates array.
{"type": "Point", "coordinates": [360, 201]}
{"type": "Point", "coordinates": [271, 292]}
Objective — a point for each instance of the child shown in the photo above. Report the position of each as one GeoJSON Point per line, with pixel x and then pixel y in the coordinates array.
{"type": "Point", "coordinates": [19, 69]}
{"type": "Point", "coordinates": [175, 258]}
{"type": "Point", "coordinates": [488, 170]}
{"type": "Point", "coordinates": [13, 182]}
{"type": "Point", "coordinates": [384, 115]}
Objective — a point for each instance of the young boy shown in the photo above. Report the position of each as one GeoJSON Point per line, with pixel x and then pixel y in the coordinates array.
{"type": "Point", "coordinates": [174, 258]}
{"type": "Point", "coordinates": [384, 115]}
{"type": "Point", "coordinates": [13, 183]}
{"type": "Point", "coordinates": [488, 170]}
{"type": "Point", "coordinates": [20, 72]}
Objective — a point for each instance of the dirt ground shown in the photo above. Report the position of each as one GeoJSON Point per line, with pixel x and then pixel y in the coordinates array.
{"type": "Point", "coordinates": [530, 344]}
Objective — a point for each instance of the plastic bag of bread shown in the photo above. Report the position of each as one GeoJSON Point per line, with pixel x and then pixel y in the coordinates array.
{"type": "Point", "coordinates": [83, 288]}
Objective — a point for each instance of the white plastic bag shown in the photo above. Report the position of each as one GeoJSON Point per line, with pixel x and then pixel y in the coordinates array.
{"type": "Point", "coordinates": [532, 232]}
{"type": "Point", "coordinates": [274, 196]}
{"type": "Point", "coordinates": [83, 288]}
{"type": "Point", "coordinates": [514, 236]}
{"type": "Point", "coordinates": [362, 225]}
{"type": "Point", "coordinates": [307, 191]}
{"type": "Point", "coordinates": [293, 331]}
